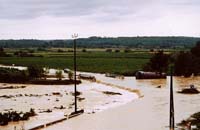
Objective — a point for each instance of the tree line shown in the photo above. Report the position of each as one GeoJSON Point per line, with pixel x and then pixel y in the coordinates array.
{"type": "Point", "coordinates": [105, 42]}
{"type": "Point", "coordinates": [184, 63]}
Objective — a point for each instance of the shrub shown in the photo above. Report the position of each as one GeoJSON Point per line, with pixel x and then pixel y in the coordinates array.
{"type": "Point", "coordinates": [127, 50]}
{"type": "Point", "coordinates": [84, 50]}
{"type": "Point", "coordinates": [60, 50]}
{"type": "Point", "coordinates": [35, 72]}
{"type": "Point", "coordinates": [59, 74]}
{"type": "Point", "coordinates": [108, 50]}
{"type": "Point", "coordinates": [13, 75]}
{"type": "Point", "coordinates": [117, 51]}
{"type": "Point", "coordinates": [70, 75]}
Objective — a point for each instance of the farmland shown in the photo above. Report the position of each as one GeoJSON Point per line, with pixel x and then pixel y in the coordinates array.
{"type": "Point", "coordinates": [95, 60]}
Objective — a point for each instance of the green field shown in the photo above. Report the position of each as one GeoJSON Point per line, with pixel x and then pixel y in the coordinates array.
{"type": "Point", "coordinates": [93, 61]}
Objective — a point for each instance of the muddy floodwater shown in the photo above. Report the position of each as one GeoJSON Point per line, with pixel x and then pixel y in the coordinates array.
{"type": "Point", "coordinates": [156, 100]}
{"type": "Point", "coordinates": [59, 99]}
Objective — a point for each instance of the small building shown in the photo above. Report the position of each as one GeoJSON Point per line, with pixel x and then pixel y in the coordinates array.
{"type": "Point", "coordinates": [149, 75]}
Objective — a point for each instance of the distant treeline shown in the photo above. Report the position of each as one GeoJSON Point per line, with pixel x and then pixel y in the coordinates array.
{"type": "Point", "coordinates": [105, 42]}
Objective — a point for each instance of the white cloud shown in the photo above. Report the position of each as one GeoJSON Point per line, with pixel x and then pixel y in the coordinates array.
{"type": "Point", "coordinates": [49, 19]}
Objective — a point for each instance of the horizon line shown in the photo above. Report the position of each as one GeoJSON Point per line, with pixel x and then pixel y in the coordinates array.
{"type": "Point", "coordinates": [46, 39]}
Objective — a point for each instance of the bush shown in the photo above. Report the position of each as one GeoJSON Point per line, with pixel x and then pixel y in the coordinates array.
{"type": "Point", "coordinates": [23, 54]}
{"type": "Point", "coordinates": [31, 51]}
{"type": "Point", "coordinates": [41, 49]}
{"type": "Point", "coordinates": [3, 53]}
{"type": "Point", "coordinates": [108, 50]}
{"type": "Point", "coordinates": [59, 74]}
{"type": "Point", "coordinates": [60, 50]}
{"type": "Point", "coordinates": [70, 50]}
{"type": "Point", "coordinates": [84, 50]}
{"type": "Point", "coordinates": [70, 75]}
{"type": "Point", "coordinates": [10, 75]}
{"type": "Point", "coordinates": [35, 72]}
{"type": "Point", "coordinates": [117, 51]}
{"type": "Point", "coordinates": [127, 50]}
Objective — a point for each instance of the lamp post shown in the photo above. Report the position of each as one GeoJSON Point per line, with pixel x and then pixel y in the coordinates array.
{"type": "Point", "coordinates": [74, 36]}
{"type": "Point", "coordinates": [171, 118]}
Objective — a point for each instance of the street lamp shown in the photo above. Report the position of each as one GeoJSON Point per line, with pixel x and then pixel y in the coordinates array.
{"type": "Point", "coordinates": [171, 118]}
{"type": "Point", "coordinates": [74, 36]}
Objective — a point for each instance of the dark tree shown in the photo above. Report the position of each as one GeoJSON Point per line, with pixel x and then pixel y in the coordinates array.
{"type": "Point", "coordinates": [1, 49]}
{"type": "Point", "coordinates": [184, 64]}
{"type": "Point", "coordinates": [127, 50]}
{"type": "Point", "coordinates": [117, 50]}
{"type": "Point", "coordinates": [60, 50]}
{"type": "Point", "coordinates": [196, 50]}
{"type": "Point", "coordinates": [108, 50]}
{"type": "Point", "coordinates": [158, 63]}
{"type": "Point", "coordinates": [84, 50]}
{"type": "Point", "coordinates": [35, 72]}
{"type": "Point", "coordinates": [2, 52]}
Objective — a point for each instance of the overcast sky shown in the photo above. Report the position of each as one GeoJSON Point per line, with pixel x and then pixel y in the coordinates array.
{"type": "Point", "coordinates": [56, 19]}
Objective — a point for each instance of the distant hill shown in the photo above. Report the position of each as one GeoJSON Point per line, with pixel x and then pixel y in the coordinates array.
{"type": "Point", "coordinates": [106, 42]}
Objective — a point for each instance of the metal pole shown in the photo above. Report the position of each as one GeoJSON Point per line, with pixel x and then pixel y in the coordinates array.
{"type": "Point", "coordinates": [75, 92]}
{"type": "Point", "coordinates": [171, 124]}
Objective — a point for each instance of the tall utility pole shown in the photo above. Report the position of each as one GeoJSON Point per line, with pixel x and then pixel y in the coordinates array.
{"type": "Point", "coordinates": [75, 93]}
{"type": "Point", "coordinates": [171, 120]}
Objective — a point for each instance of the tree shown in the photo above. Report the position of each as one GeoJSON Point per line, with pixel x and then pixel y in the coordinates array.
{"type": "Point", "coordinates": [158, 63]}
{"type": "Point", "coordinates": [127, 50]}
{"type": "Point", "coordinates": [2, 52]}
{"type": "Point", "coordinates": [1, 49]}
{"type": "Point", "coordinates": [35, 71]}
{"type": "Point", "coordinates": [84, 50]}
{"type": "Point", "coordinates": [59, 74]}
{"type": "Point", "coordinates": [70, 75]}
{"type": "Point", "coordinates": [108, 50]}
{"type": "Point", "coordinates": [196, 50]}
{"type": "Point", "coordinates": [117, 50]}
{"type": "Point", "coordinates": [184, 64]}
{"type": "Point", "coordinates": [60, 50]}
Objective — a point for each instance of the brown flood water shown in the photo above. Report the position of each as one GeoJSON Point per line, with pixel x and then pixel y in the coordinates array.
{"type": "Point", "coordinates": [155, 99]}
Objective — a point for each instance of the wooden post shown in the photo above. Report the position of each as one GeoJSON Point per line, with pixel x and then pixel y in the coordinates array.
{"type": "Point", "coordinates": [171, 121]}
